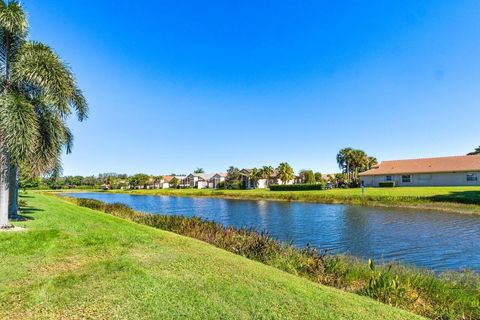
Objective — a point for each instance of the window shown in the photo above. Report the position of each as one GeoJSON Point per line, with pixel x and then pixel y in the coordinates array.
{"type": "Point", "coordinates": [388, 178]}
{"type": "Point", "coordinates": [424, 177]}
{"type": "Point", "coordinates": [407, 178]}
{"type": "Point", "coordinates": [472, 177]}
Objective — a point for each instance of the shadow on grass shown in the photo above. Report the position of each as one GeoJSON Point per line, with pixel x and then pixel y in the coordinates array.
{"type": "Point", "coordinates": [465, 197]}
{"type": "Point", "coordinates": [27, 212]}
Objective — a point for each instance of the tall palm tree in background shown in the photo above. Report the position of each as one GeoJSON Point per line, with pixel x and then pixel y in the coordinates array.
{"type": "Point", "coordinates": [38, 93]}
{"type": "Point", "coordinates": [344, 159]}
{"type": "Point", "coordinates": [266, 172]}
{"type": "Point", "coordinates": [354, 161]}
{"type": "Point", "coordinates": [285, 172]}
{"type": "Point", "coordinates": [255, 176]}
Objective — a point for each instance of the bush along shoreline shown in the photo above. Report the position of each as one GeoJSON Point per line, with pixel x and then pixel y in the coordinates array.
{"type": "Point", "coordinates": [452, 295]}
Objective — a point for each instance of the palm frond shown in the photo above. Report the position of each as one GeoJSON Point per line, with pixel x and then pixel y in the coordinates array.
{"type": "Point", "coordinates": [13, 18]}
{"type": "Point", "coordinates": [54, 136]}
{"type": "Point", "coordinates": [40, 67]}
{"type": "Point", "coordinates": [19, 126]}
{"type": "Point", "coordinates": [79, 103]}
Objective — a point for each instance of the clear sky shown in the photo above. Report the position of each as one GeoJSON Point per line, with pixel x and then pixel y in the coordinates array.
{"type": "Point", "coordinates": [175, 85]}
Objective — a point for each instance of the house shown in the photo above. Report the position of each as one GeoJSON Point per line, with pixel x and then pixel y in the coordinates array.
{"type": "Point", "coordinates": [217, 180]}
{"type": "Point", "coordinates": [248, 183]}
{"type": "Point", "coordinates": [444, 171]}
{"type": "Point", "coordinates": [166, 182]}
{"type": "Point", "coordinates": [199, 180]}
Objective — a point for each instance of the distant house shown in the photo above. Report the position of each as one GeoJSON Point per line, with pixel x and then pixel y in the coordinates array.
{"type": "Point", "coordinates": [444, 171]}
{"type": "Point", "coordinates": [248, 183]}
{"type": "Point", "coordinates": [199, 180]}
{"type": "Point", "coordinates": [217, 180]}
{"type": "Point", "coordinates": [165, 183]}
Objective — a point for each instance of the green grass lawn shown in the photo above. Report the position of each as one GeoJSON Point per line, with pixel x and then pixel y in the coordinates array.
{"type": "Point", "coordinates": [458, 199]}
{"type": "Point", "coordinates": [73, 262]}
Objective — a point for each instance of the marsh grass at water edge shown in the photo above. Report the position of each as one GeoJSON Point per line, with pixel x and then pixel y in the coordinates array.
{"type": "Point", "coordinates": [445, 296]}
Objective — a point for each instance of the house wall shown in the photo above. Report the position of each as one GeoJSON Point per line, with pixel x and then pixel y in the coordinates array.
{"type": "Point", "coordinates": [202, 184]}
{"type": "Point", "coordinates": [165, 185]}
{"type": "Point", "coordinates": [215, 181]}
{"type": "Point", "coordinates": [433, 179]}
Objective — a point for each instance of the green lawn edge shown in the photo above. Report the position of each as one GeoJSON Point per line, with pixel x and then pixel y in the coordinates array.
{"type": "Point", "coordinates": [74, 262]}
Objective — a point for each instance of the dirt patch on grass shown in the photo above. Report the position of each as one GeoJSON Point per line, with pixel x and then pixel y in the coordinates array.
{"type": "Point", "coordinates": [12, 229]}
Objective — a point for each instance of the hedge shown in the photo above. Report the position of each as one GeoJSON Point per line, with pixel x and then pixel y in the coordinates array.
{"type": "Point", "coordinates": [296, 187]}
{"type": "Point", "coordinates": [388, 184]}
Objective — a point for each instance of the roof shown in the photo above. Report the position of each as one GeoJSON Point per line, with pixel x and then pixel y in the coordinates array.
{"type": "Point", "coordinates": [168, 178]}
{"type": "Point", "coordinates": [426, 165]}
{"type": "Point", "coordinates": [203, 176]}
{"type": "Point", "coordinates": [220, 174]}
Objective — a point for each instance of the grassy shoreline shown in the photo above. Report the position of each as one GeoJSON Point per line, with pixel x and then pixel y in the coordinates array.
{"type": "Point", "coordinates": [74, 262]}
{"type": "Point", "coordinates": [450, 295]}
{"type": "Point", "coordinates": [465, 200]}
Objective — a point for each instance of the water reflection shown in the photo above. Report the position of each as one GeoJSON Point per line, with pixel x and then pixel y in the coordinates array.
{"type": "Point", "coordinates": [435, 240]}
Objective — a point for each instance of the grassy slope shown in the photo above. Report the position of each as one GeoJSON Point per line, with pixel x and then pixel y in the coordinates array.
{"type": "Point", "coordinates": [458, 199]}
{"type": "Point", "coordinates": [74, 261]}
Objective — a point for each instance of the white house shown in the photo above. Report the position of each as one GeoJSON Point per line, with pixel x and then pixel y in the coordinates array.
{"type": "Point", "coordinates": [217, 179]}
{"type": "Point", "coordinates": [444, 171]}
{"type": "Point", "coordinates": [199, 180]}
{"type": "Point", "coordinates": [248, 183]}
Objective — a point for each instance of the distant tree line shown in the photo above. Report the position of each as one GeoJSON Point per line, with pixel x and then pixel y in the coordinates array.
{"type": "Point", "coordinates": [350, 161]}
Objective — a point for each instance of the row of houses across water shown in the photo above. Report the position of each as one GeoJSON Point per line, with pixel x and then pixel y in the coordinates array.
{"type": "Point", "coordinates": [217, 180]}
{"type": "Point", "coordinates": [440, 171]}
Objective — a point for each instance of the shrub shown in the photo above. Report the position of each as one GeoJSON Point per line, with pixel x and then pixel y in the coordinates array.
{"type": "Point", "coordinates": [92, 204]}
{"type": "Point", "coordinates": [387, 184]}
{"type": "Point", "coordinates": [297, 187]}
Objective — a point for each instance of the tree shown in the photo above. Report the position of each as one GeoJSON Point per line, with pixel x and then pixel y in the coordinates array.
{"type": "Point", "coordinates": [307, 176]}
{"type": "Point", "coordinates": [232, 180]}
{"type": "Point", "coordinates": [156, 181]}
{"type": "Point", "coordinates": [266, 173]}
{"type": "Point", "coordinates": [199, 170]}
{"type": "Point", "coordinates": [139, 180]}
{"type": "Point", "coordinates": [38, 93]}
{"type": "Point", "coordinates": [474, 152]}
{"type": "Point", "coordinates": [174, 182]}
{"type": "Point", "coordinates": [255, 176]}
{"type": "Point", "coordinates": [285, 172]}
{"type": "Point", "coordinates": [318, 177]}
{"type": "Point", "coordinates": [340, 180]}
{"type": "Point", "coordinates": [352, 162]}
{"type": "Point", "coordinates": [344, 159]}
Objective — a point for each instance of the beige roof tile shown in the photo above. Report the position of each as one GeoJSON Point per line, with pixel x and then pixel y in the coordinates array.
{"type": "Point", "coordinates": [426, 165]}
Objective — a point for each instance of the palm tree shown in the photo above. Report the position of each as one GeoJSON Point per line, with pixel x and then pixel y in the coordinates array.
{"type": "Point", "coordinates": [474, 152]}
{"type": "Point", "coordinates": [266, 172]}
{"type": "Point", "coordinates": [38, 93]}
{"type": "Point", "coordinates": [255, 176]}
{"type": "Point", "coordinates": [344, 159]}
{"type": "Point", "coordinates": [285, 172]}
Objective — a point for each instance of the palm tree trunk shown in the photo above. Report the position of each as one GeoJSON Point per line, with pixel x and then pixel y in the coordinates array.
{"type": "Point", "coordinates": [13, 192]}
{"type": "Point", "coordinates": [4, 196]}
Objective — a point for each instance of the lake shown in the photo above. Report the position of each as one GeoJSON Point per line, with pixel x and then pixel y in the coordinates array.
{"type": "Point", "coordinates": [435, 240]}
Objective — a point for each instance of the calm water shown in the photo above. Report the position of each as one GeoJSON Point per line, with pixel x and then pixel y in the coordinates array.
{"type": "Point", "coordinates": [435, 240]}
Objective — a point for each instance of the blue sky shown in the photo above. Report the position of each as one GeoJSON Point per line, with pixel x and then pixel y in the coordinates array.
{"type": "Point", "coordinates": [175, 85]}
